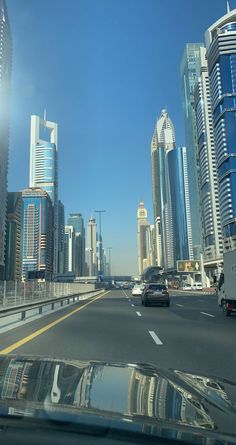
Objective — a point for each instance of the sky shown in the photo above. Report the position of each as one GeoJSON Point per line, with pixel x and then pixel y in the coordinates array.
{"type": "Point", "coordinates": [104, 70]}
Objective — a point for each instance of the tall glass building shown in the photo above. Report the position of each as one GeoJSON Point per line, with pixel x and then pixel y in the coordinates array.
{"type": "Point", "coordinates": [180, 208]}
{"type": "Point", "coordinates": [61, 237]}
{"type": "Point", "coordinates": [5, 79]}
{"type": "Point", "coordinates": [208, 183]}
{"type": "Point", "coordinates": [221, 56]}
{"type": "Point", "coordinates": [190, 72]}
{"type": "Point", "coordinates": [163, 140]}
{"type": "Point", "coordinates": [13, 236]}
{"type": "Point", "coordinates": [37, 234]}
{"type": "Point", "coordinates": [77, 222]}
{"type": "Point", "coordinates": [44, 168]}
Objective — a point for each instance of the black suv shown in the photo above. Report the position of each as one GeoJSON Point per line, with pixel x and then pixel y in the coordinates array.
{"type": "Point", "coordinates": [155, 293]}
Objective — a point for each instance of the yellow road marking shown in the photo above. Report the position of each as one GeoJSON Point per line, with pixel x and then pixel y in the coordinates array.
{"type": "Point", "coordinates": [45, 328]}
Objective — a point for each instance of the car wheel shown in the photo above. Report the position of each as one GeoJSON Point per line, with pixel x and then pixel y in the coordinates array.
{"type": "Point", "coordinates": [168, 304]}
{"type": "Point", "coordinates": [145, 303]}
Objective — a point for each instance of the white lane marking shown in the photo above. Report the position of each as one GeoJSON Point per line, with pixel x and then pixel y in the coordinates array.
{"type": "Point", "coordinates": [155, 338]}
{"type": "Point", "coordinates": [129, 299]}
{"type": "Point", "coordinates": [209, 315]}
{"type": "Point", "coordinates": [202, 301]}
{"type": "Point", "coordinates": [138, 313]}
{"type": "Point", "coordinates": [180, 305]}
{"type": "Point", "coordinates": [125, 293]}
{"type": "Point", "coordinates": [132, 305]}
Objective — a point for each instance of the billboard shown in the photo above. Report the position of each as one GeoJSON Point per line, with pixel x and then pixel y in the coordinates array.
{"type": "Point", "coordinates": [188, 266]}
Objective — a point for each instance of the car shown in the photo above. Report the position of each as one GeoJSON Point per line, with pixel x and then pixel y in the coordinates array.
{"type": "Point", "coordinates": [155, 293]}
{"type": "Point", "coordinates": [197, 286]}
{"type": "Point", "coordinates": [187, 287]}
{"type": "Point", "coordinates": [138, 289]}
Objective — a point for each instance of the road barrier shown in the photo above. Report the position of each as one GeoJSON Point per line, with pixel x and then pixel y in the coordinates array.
{"type": "Point", "coordinates": [13, 293]}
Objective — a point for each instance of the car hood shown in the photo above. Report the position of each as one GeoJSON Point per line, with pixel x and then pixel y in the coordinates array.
{"type": "Point", "coordinates": [135, 396]}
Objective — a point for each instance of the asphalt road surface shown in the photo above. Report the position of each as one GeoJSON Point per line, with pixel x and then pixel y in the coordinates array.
{"type": "Point", "coordinates": [191, 335]}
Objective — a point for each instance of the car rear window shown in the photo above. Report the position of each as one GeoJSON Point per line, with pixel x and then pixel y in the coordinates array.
{"type": "Point", "coordinates": [157, 287]}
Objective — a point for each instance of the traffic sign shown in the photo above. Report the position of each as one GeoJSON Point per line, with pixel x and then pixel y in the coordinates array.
{"type": "Point", "coordinates": [189, 266]}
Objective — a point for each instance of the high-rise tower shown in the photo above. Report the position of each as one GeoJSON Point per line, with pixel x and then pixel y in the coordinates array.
{"type": "Point", "coordinates": [5, 79]}
{"type": "Point", "coordinates": [144, 239]}
{"type": "Point", "coordinates": [190, 72]}
{"type": "Point", "coordinates": [44, 168]}
{"type": "Point", "coordinates": [221, 56]}
{"type": "Point", "coordinates": [163, 141]}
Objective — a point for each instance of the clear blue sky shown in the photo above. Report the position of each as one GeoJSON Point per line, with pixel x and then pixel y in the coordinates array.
{"type": "Point", "coordinates": [104, 69]}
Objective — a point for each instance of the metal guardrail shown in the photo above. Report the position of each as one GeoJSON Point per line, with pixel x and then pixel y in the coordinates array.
{"type": "Point", "coordinates": [23, 308]}
{"type": "Point", "coordinates": [13, 293]}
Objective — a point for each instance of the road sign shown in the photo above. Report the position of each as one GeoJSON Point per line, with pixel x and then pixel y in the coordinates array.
{"type": "Point", "coordinates": [189, 266]}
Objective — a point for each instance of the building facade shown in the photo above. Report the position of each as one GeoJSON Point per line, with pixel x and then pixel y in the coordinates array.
{"type": "Point", "coordinates": [208, 182]}
{"type": "Point", "coordinates": [180, 207]}
{"type": "Point", "coordinates": [5, 80]}
{"type": "Point", "coordinates": [92, 257]}
{"type": "Point", "coordinates": [221, 57]}
{"type": "Point", "coordinates": [163, 140]}
{"type": "Point", "coordinates": [190, 72]}
{"type": "Point", "coordinates": [61, 237]}
{"type": "Point", "coordinates": [144, 239]}
{"type": "Point", "coordinates": [76, 220]}
{"type": "Point", "coordinates": [69, 255]}
{"type": "Point", "coordinates": [44, 168]}
{"type": "Point", "coordinates": [37, 234]}
{"type": "Point", "coordinates": [13, 236]}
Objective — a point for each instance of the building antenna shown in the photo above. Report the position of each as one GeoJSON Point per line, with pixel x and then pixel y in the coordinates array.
{"type": "Point", "coordinates": [228, 7]}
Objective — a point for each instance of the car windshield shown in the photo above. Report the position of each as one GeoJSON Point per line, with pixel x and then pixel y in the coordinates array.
{"type": "Point", "coordinates": [118, 213]}
{"type": "Point", "coordinates": [157, 287]}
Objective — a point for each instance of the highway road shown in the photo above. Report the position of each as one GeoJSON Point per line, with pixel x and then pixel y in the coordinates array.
{"type": "Point", "coordinates": [192, 334]}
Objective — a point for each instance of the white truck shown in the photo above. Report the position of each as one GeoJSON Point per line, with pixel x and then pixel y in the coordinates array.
{"type": "Point", "coordinates": [227, 284]}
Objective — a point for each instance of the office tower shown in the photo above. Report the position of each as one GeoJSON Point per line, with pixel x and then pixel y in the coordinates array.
{"type": "Point", "coordinates": [190, 72]}
{"type": "Point", "coordinates": [221, 57]}
{"type": "Point", "coordinates": [69, 255]}
{"type": "Point", "coordinates": [44, 168]}
{"type": "Point", "coordinates": [37, 233]}
{"type": "Point", "coordinates": [180, 208]}
{"type": "Point", "coordinates": [5, 79]}
{"type": "Point", "coordinates": [163, 140]}
{"type": "Point", "coordinates": [61, 237]}
{"type": "Point", "coordinates": [76, 220]}
{"type": "Point", "coordinates": [13, 236]}
{"type": "Point", "coordinates": [92, 247]}
{"type": "Point", "coordinates": [208, 183]}
{"type": "Point", "coordinates": [144, 241]}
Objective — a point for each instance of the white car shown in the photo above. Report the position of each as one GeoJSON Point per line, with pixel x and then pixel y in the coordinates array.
{"type": "Point", "coordinates": [187, 287]}
{"type": "Point", "coordinates": [138, 289]}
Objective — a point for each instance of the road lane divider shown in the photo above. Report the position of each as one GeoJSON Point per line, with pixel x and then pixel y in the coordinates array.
{"type": "Point", "coordinates": [139, 314]}
{"type": "Point", "coordinates": [132, 305]}
{"type": "Point", "coordinates": [180, 305]}
{"type": "Point", "coordinates": [40, 331]}
{"type": "Point", "coordinates": [209, 315]}
{"type": "Point", "coordinates": [155, 338]}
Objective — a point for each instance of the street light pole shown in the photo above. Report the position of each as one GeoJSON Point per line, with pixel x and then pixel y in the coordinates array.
{"type": "Point", "coordinates": [100, 240]}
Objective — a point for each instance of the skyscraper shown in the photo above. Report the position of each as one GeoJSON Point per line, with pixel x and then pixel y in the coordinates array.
{"type": "Point", "coordinates": [92, 247]}
{"type": "Point", "coordinates": [208, 183]}
{"type": "Point", "coordinates": [61, 237]}
{"type": "Point", "coordinates": [13, 236]}
{"type": "Point", "coordinates": [5, 79]}
{"type": "Point", "coordinates": [180, 208]}
{"type": "Point", "coordinates": [190, 72]}
{"type": "Point", "coordinates": [44, 168]}
{"type": "Point", "coordinates": [144, 239]}
{"type": "Point", "coordinates": [76, 220]}
{"type": "Point", "coordinates": [163, 140]}
{"type": "Point", "coordinates": [37, 234]}
{"type": "Point", "coordinates": [69, 262]}
{"type": "Point", "coordinates": [221, 56]}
